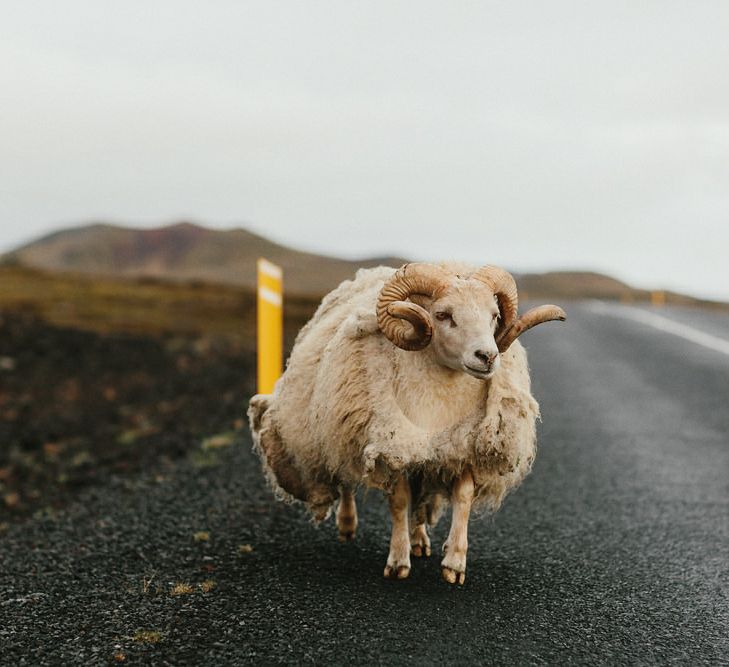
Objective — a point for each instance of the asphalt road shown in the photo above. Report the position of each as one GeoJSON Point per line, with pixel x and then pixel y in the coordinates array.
{"type": "Point", "coordinates": [614, 551]}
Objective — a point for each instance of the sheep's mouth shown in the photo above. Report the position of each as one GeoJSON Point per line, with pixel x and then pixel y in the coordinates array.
{"type": "Point", "coordinates": [481, 373]}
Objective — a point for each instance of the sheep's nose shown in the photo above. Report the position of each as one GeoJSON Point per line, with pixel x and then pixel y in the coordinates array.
{"type": "Point", "coordinates": [485, 357]}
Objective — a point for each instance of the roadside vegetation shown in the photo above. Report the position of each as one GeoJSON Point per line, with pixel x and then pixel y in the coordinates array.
{"type": "Point", "coordinates": [102, 377]}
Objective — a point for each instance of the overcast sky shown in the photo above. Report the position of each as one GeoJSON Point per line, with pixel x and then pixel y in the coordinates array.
{"type": "Point", "coordinates": [533, 135]}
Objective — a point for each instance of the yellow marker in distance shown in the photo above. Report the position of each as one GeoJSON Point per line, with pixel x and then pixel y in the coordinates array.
{"type": "Point", "coordinates": [270, 325]}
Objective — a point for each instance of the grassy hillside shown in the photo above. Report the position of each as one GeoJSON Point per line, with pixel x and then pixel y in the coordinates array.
{"type": "Point", "coordinates": [142, 306]}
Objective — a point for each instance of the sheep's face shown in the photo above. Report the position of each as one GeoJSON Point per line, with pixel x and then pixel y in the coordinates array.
{"type": "Point", "coordinates": [465, 317]}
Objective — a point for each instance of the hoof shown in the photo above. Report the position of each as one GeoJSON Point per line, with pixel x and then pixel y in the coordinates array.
{"type": "Point", "coordinates": [420, 542]}
{"type": "Point", "coordinates": [453, 577]}
{"type": "Point", "coordinates": [347, 516]}
{"type": "Point", "coordinates": [419, 550]}
{"type": "Point", "coordinates": [347, 527]}
{"type": "Point", "coordinates": [453, 565]}
{"type": "Point", "coordinates": [399, 572]}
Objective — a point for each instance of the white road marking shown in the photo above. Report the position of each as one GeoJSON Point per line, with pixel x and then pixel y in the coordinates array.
{"type": "Point", "coordinates": [663, 324]}
{"type": "Point", "coordinates": [270, 296]}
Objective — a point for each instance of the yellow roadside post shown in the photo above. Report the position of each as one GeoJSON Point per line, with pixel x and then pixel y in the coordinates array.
{"type": "Point", "coordinates": [658, 298]}
{"type": "Point", "coordinates": [269, 325]}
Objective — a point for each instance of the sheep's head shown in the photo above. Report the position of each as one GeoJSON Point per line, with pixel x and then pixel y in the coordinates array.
{"type": "Point", "coordinates": [468, 320]}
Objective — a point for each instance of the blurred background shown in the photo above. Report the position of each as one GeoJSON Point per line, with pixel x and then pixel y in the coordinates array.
{"type": "Point", "coordinates": [151, 152]}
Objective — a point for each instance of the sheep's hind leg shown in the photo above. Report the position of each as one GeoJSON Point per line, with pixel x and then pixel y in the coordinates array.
{"type": "Point", "coordinates": [419, 541]}
{"type": "Point", "coordinates": [426, 516]}
{"type": "Point", "coordinates": [347, 515]}
{"type": "Point", "coordinates": [398, 560]}
{"type": "Point", "coordinates": [454, 564]}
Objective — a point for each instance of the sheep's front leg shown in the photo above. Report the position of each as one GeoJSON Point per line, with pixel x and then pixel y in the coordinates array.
{"type": "Point", "coordinates": [347, 515]}
{"type": "Point", "coordinates": [454, 563]}
{"type": "Point", "coordinates": [398, 560]}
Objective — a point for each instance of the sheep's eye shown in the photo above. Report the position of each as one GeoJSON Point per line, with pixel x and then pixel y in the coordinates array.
{"type": "Point", "coordinates": [445, 316]}
{"type": "Point", "coordinates": [496, 317]}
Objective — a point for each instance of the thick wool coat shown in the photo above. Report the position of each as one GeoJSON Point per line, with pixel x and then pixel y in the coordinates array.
{"type": "Point", "coordinates": [353, 409]}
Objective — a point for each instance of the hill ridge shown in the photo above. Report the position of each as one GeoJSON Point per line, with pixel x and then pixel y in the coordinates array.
{"type": "Point", "coordinates": [183, 251]}
{"type": "Point", "coordinates": [186, 251]}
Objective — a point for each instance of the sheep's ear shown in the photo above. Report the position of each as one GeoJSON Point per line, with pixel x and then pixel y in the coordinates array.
{"type": "Point", "coordinates": [504, 312]}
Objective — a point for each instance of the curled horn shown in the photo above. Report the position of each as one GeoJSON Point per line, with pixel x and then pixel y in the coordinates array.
{"type": "Point", "coordinates": [502, 284]}
{"type": "Point", "coordinates": [504, 287]}
{"type": "Point", "coordinates": [528, 320]}
{"type": "Point", "coordinates": [405, 323]}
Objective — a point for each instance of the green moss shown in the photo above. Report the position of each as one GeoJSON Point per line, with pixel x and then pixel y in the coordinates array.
{"type": "Point", "coordinates": [147, 636]}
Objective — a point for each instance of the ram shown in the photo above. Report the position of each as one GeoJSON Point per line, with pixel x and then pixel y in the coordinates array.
{"type": "Point", "coordinates": [410, 381]}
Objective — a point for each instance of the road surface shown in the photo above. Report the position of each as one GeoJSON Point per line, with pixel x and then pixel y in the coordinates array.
{"type": "Point", "coordinates": [614, 551]}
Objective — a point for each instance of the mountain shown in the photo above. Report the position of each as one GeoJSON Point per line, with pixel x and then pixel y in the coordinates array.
{"type": "Point", "coordinates": [185, 252]}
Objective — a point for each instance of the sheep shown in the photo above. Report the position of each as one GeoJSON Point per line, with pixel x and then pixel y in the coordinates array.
{"type": "Point", "coordinates": [410, 381]}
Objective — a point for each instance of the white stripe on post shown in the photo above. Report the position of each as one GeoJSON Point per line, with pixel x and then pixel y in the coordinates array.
{"type": "Point", "coordinates": [269, 295]}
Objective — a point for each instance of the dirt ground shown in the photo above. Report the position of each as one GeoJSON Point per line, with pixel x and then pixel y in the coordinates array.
{"type": "Point", "coordinates": [79, 406]}
{"type": "Point", "coordinates": [102, 377]}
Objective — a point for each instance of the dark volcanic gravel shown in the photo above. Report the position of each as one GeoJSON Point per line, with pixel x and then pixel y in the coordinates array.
{"type": "Point", "coordinates": [76, 406]}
